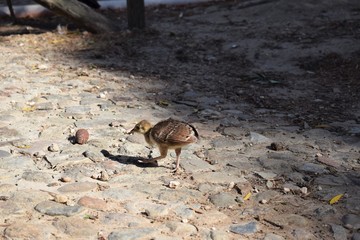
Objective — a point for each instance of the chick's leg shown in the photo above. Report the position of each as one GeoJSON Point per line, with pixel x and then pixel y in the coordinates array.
{"type": "Point", "coordinates": [163, 153]}
{"type": "Point", "coordinates": [177, 151]}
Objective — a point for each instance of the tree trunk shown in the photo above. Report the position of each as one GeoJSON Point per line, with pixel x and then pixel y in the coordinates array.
{"type": "Point", "coordinates": [80, 14]}
{"type": "Point", "coordinates": [136, 14]}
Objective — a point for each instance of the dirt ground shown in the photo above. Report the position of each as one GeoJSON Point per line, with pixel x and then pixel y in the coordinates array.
{"type": "Point", "coordinates": [288, 63]}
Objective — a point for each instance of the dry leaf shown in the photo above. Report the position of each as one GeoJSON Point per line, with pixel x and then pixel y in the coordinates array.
{"type": "Point", "coordinates": [28, 109]}
{"type": "Point", "coordinates": [336, 199]}
{"type": "Point", "coordinates": [247, 196]}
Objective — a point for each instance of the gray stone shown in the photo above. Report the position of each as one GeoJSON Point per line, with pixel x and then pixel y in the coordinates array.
{"type": "Point", "coordinates": [19, 230]}
{"type": "Point", "coordinates": [4, 154]}
{"type": "Point", "coordinates": [184, 229]}
{"type": "Point", "coordinates": [132, 234]}
{"type": "Point", "coordinates": [56, 159]}
{"type": "Point", "coordinates": [292, 220]}
{"type": "Point", "coordinates": [37, 176]}
{"type": "Point", "coordinates": [124, 220]}
{"type": "Point", "coordinates": [331, 180]}
{"type": "Point", "coordinates": [194, 164]}
{"type": "Point", "coordinates": [17, 162]}
{"type": "Point", "coordinates": [76, 228]}
{"type": "Point", "coordinates": [44, 106]}
{"type": "Point", "coordinates": [245, 228]}
{"type": "Point", "coordinates": [77, 109]}
{"type": "Point", "coordinates": [222, 142]}
{"type": "Point", "coordinates": [184, 212]}
{"type": "Point", "coordinates": [272, 236]}
{"type": "Point", "coordinates": [155, 210]}
{"type": "Point", "coordinates": [313, 168]}
{"type": "Point", "coordinates": [53, 209]}
{"type": "Point", "coordinates": [78, 187]}
{"type": "Point", "coordinates": [223, 200]}
{"type": "Point", "coordinates": [122, 194]}
{"type": "Point", "coordinates": [302, 234]}
{"type": "Point", "coordinates": [339, 232]}
{"type": "Point", "coordinates": [356, 236]}
{"type": "Point", "coordinates": [351, 221]}
{"type": "Point", "coordinates": [324, 211]}
{"type": "Point", "coordinates": [219, 235]}
{"type": "Point", "coordinates": [266, 195]}
{"type": "Point", "coordinates": [267, 175]}
{"type": "Point", "coordinates": [258, 138]}
{"type": "Point", "coordinates": [217, 178]}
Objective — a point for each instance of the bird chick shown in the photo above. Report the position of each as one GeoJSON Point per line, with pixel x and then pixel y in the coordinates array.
{"type": "Point", "coordinates": [167, 134]}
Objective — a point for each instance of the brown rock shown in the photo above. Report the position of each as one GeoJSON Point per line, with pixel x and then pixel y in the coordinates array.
{"type": "Point", "coordinates": [81, 136]}
{"type": "Point", "coordinates": [93, 203]}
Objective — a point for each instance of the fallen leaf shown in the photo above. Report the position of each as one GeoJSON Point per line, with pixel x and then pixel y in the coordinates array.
{"type": "Point", "coordinates": [28, 109]}
{"type": "Point", "coordinates": [336, 199]}
{"type": "Point", "coordinates": [247, 196]}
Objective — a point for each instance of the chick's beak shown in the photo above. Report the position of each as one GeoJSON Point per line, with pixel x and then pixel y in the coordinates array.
{"type": "Point", "coordinates": [132, 130]}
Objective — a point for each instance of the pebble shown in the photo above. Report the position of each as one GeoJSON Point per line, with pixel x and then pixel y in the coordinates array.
{"type": "Point", "coordinates": [174, 184]}
{"type": "Point", "coordinates": [65, 179]}
{"type": "Point", "coordinates": [54, 209]}
{"type": "Point", "coordinates": [245, 228]}
{"type": "Point", "coordinates": [54, 147]}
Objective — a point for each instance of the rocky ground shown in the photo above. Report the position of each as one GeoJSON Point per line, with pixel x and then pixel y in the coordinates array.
{"type": "Point", "coordinates": [272, 88]}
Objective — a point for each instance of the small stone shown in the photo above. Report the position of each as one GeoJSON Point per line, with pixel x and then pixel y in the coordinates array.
{"type": "Point", "coordinates": [243, 187]}
{"type": "Point", "coordinates": [245, 228]}
{"type": "Point", "coordinates": [304, 190]}
{"type": "Point", "coordinates": [81, 136]}
{"type": "Point", "coordinates": [263, 201]}
{"type": "Point", "coordinates": [104, 176]}
{"type": "Point", "coordinates": [115, 124]}
{"type": "Point", "coordinates": [277, 146]}
{"type": "Point", "coordinates": [231, 185]}
{"type": "Point", "coordinates": [351, 221]}
{"type": "Point", "coordinates": [174, 184]}
{"type": "Point", "coordinates": [60, 198]}
{"type": "Point", "coordinates": [65, 179]}
{"type": "Point", "coordinates": [54, 148]}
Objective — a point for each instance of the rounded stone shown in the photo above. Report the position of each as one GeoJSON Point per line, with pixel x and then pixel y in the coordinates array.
{"type": "Point", "coordinates": [94, 203]}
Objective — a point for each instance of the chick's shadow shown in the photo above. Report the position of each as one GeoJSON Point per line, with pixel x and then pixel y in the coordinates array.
{"type": "Point", "coordinates": [124, 159]}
